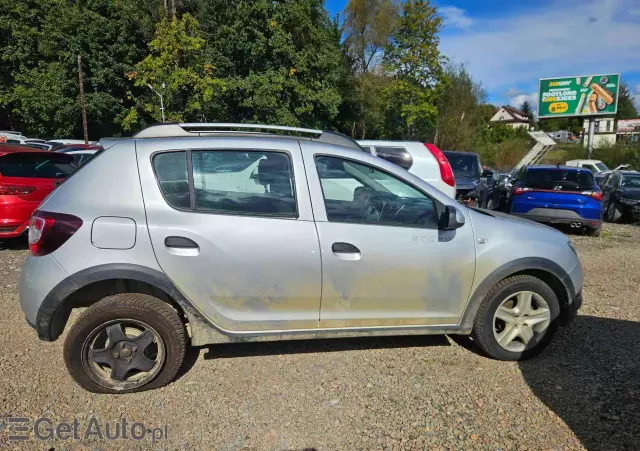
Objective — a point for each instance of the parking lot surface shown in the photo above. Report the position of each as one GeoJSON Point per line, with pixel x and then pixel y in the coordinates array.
{"type": "Point", "coordinates": [373, 393]}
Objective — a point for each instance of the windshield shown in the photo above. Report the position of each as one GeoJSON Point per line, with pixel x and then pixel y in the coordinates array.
{"type": "Point", "coordinates": [464, 165]}
{"type": "Point", "coordinates": [631, 181]}
{"type": "Point", "coordinates": [559, 179]}
{"type": "Point", "coordinates": [601, 166]}
{"type": "Point", "coordinates": [36, 165]}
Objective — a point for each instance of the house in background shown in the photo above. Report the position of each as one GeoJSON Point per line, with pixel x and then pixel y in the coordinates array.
{"type": "Point", "coordinates": [604, 133]}
{"type": "Point", "coordinates": [512, 117]}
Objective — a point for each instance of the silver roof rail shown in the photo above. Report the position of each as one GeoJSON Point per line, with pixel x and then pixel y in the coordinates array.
{"type": "Point", "coordinates": [207, 129]}
{"type": "Point", "coordinates": [189, 129]}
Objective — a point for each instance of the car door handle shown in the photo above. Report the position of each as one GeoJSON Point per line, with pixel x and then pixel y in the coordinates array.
{"type": "Point", "coordinates": [345, 251]}
{"type": "Point", "coordinates": [179, 245]}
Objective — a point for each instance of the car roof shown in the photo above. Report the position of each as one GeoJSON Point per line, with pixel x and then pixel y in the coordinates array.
{"type": "Point", "coordinates": [15, 148]}
{"type": "Point", "coordinates": [458, 152]}
{"type": "Point", "coordinates": [183, 130]}
{"type": "Point", "coordinates": [549, 167]}
{"type": "Point", "coordinates": [373, 142]}
{"type": "Point", "coordinates": [585, 161]}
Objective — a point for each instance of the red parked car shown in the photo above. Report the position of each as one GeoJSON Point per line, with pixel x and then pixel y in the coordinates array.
{"type": "Point", "coordinates": [27, 176]}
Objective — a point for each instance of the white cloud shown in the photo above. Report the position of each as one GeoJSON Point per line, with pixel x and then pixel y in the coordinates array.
{"type": "Point", "coordinates": [638, 88]}
{"type": "Point", "coordinates": [561, 39]}
{"type": "Point", "coordinates": [455, 17]}
{"type": "Point", "coordinates": [518, 100]}
{"type": "Point", "coordinates": [512, 92]}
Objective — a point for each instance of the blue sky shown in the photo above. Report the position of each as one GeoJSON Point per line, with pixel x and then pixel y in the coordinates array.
{"type": "Point", "coordinates": [508, 45]}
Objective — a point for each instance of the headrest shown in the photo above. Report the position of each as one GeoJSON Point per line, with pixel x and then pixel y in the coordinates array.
{"type": "Point", "coordinates": [272, 169]}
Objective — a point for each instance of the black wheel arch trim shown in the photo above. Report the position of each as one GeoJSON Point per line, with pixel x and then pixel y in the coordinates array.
{"type": "Point", "coordinates": [509, 269]}
{"type": "Point", "coordinates": [54, 311]}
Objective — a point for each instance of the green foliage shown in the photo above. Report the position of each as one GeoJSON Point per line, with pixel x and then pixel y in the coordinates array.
{"type": "Point", "coordinates": [626, 106]}
{"type": "Point", "coordinates": [40, 42]}
{"type": "Point", "coordinates": [415, 61]}
{"type": "Point", "coordinates": [177, 70]}
{"type": "Point", "coordinates": [369, 24]}
{"type": "Point", "coordinates": [526, 109]}
{"type": "Point", "coordinates": [282, 62]}
{"type": "Point", "coordinates": [460, 116]}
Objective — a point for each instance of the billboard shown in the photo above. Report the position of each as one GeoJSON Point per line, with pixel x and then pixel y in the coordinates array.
{"type": "Point", "coordinates": [589, 95]}
{"type": "Point", "coordinates": [629, 126]}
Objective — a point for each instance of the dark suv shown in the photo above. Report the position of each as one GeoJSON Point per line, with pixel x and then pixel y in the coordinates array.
{"type": "Point", "coordinates": [474, 186]}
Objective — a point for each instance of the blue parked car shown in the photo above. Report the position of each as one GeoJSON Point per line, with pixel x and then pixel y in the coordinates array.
{"type": "Point", "coordinates": [558, 195]}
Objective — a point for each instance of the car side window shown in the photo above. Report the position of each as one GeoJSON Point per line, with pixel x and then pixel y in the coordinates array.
{"type": "Point", "coordinates": [396, 155]}
{"type": "Point", "coordinates": [171, 172]}
{"type": "Point", "coordinates": [244, 182]}
{"type": "Point", "coordinates": [358, 193]}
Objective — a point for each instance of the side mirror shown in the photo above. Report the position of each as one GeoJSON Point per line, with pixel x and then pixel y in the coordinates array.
{"type": "Point", "coordinates": [451, 219]}
{"type": "Point", "coordinates": [487, 173]}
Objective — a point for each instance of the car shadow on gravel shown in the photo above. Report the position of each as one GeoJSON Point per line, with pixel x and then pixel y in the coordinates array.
{"type": "Point", "coordinates": [233, 350]}
{"type": "Point", "coordinates": [590, 377]}
{"type": "Point", "coordinates": [15, 244]}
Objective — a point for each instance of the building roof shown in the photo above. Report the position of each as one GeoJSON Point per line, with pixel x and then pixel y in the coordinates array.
{"type": "Point", "coordinates": [513, 110]}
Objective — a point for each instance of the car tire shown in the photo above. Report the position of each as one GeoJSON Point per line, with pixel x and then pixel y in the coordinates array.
{"type": "Point", "coordinates": [116, 365]}
{"type": "Point", "coordinates": [613, 215]}
{"type": "Point", "coordinates": [486, 328]}
{"type": "Point", "coordinates": [595, 232]}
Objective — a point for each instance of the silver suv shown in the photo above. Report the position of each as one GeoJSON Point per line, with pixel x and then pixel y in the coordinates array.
{"type": "Point", "coordinates": [209, 233]}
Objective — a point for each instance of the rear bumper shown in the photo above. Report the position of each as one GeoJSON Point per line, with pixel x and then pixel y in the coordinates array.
{"type": "Point", "coordinates": [13, 230]}
{"type": "Point", "coordinates": [591, 224]}
{"type": "Point", "coordinates": [40, 275]}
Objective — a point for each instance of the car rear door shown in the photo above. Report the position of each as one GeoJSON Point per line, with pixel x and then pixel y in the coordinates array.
{"type": "Point", "coordinates": [231, 225]}
{"type": "Point", "coordinates": [396, 269]}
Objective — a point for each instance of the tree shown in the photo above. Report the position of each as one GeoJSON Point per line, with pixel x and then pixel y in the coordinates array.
{"type": "Point", "coordinates": [527, 110]}
{"type": "Point", "coordinates": [626, 106]}
{"type": "Point", "coordinates": [176, 67]}
{"type": "Point", "coordinates": [282, 62]}
{"type": "Point", "coordinates": [368, 28]}
{"type": "Point", "coordinates": [40, 42]}
{"type": "Point", "coordinates": [459, 114]}
{"type": "Point", "coordinates": [415, 61]}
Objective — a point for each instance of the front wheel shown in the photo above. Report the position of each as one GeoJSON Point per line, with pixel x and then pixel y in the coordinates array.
{"type": "Point", "coordinates": [125, 343]}
{"type": "Point", "coordinates": [516, 319]}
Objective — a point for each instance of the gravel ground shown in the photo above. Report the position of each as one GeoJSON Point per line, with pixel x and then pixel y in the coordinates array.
{"type": "Point", "coordinates": [391, 393]}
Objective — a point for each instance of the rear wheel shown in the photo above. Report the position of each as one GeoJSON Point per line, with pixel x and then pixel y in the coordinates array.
{"type": "Point", "coordinates": [613, 214]}
{"type": "Point", "coordinates": [594, 232]}
{"type": "Point", "coordinates": [516, 319]}
{"type": "Point", "coordinates": [125, 343]}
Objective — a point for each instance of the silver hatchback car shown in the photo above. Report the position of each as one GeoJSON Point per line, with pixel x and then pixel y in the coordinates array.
{"type": "Point", "coordinates": [209, 233]}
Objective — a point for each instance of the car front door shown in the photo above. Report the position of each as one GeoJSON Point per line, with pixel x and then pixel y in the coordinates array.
{"type": "Point", "coordinates": [384, 260]}
{"type": "Point", "coordinates": [232, 227]}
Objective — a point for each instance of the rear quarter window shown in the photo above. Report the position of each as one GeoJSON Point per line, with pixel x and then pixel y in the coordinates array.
{"type": "Point", "coordinates": [36, 165]}
{"type": "Point", "coordinates": [396, 155]}
{"type": "Point", "coordinates": [559, 179]}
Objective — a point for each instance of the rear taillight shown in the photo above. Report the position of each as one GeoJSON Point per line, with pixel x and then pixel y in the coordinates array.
{"type": "Point", "coordinates": [597, 195]}
{"type": "Point", "coordinates": [520, 190]}
{"type": "Point", "coordinates": [48, 231]}
{"type": "Point", "coordinates": [445, 168]}
{"type": "Point", "coordinates": [8, 190]}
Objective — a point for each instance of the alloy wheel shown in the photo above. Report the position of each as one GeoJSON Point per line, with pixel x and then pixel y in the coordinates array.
{"type": "Point", "coordinates": [521, 320]}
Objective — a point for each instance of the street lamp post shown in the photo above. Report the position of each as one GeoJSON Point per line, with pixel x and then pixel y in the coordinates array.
{"type": "Point", "coordinates": [161, 101]}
